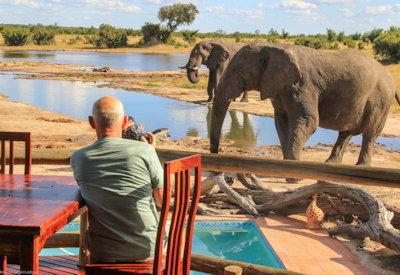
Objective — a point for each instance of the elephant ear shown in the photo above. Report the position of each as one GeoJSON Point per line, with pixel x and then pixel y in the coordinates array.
{"type": "Point", "coordinates": [280, 71]}
{"type": "Point", "coordinates": [217, 57]}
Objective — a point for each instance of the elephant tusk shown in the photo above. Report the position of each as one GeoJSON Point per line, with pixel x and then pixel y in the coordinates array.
{"type": "Point", "coordinates": [195, 68]}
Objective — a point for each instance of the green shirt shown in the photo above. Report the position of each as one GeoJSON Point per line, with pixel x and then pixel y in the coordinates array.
{"type": "Point", "coordinates": [117, 177]}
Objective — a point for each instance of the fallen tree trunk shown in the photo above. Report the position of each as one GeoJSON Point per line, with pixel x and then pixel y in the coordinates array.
{"type": "Point", "coordinates": [378, 226]}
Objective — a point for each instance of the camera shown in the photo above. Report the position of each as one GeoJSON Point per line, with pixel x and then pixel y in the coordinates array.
{"type": "Point", "coordinates": [134, 131]}
{"type": "Point", "coordinates": [134, 134]}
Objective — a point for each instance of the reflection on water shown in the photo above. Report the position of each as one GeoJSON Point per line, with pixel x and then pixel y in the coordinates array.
{"type": "Point", "coordinates": [242, 243]}
{"type": "Point", "coordinates": [75, 99]}
{"type": "Point", "coordinates": [26, 54]}
{"type": "Point", "coordinates": [124, 61]}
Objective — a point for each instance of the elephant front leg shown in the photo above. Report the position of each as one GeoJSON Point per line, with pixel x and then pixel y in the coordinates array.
{"type": "Point", "coordinates": [339, 148]}
{"type": "Point", "coordinates": [245, 97]}
{"type": "Point", "coordinates": [282, 128]}
{"type": "Point", "coordinates": [300, 129]}
{"type": "Point", "coordinates": [299, 132]}
{"type": "Point", "coordinates": [212, 85]}
{"type": "Point", "coordinates": [365, 153]}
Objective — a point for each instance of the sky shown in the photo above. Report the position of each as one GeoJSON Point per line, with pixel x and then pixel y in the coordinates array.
{"type": "Point", "coordinates": [295, 16]}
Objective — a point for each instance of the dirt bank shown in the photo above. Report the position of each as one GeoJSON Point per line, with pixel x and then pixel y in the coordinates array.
{"type": "Point", "coordinates": [170, 84]}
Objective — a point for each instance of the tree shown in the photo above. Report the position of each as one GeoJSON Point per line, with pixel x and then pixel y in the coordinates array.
{"type": "Point", "coordinates": [387, 45]}
{"type": "Point", "coordinates": [331, 35]}
{"type": "Point", "coordinates": [175, 15]}
{"type": "Point", "coordinates": [111, 37]}
{"type": "Point", "coordinates": [151, 34]}
{"type": "Point", "coordinates": [15, 36]}
{"type": "Point", "coordinates": [284, 34]}
{"type": "Point", "coordinates": [189, 36]}
{"type": "Point", "coordinates": [373, 34]}
{"type": "Point", "coordinates": [273, 32]}
{"type": "Point", "coordinates": [42, 35]}
{"type": "Point", "coordinates": [341, 37]}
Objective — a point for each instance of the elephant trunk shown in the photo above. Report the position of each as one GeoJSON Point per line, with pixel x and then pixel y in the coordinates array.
{"type": "Point", "coordinates": [193, 75]}
{"type": "Point", "coordinates": [219, 110]}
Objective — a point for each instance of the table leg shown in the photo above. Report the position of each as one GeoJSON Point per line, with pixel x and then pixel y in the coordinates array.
{"type": "Point", "coordinates": [29, 255]}
{"type": "Point", "coordinates": [3, 264]}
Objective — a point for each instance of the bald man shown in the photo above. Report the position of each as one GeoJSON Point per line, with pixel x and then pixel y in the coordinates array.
{"type": "Point", "coordinates": [120, 180]}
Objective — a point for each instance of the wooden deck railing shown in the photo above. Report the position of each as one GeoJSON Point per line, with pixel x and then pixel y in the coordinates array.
{"type": "Point", "coordinates": [343, 173]}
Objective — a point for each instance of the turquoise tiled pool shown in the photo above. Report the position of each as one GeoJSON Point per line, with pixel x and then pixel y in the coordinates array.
{"type": "Point", "coordinates": [233, 240]}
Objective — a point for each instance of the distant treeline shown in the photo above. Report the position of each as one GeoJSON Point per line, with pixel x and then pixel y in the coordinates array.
{"type": "Point", "coordinates": [386, 43]}
{"type": "Point", "coordinates": [68, 30]}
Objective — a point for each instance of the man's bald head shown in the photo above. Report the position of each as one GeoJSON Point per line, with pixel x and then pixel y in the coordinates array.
{"type": "Point", "coordinates": [108, 112]}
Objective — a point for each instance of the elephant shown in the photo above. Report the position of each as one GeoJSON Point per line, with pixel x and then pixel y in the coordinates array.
{"type": "Point", "coordinates": [346, 91]}
{"type": "Point", "coordinates": [216, 56]}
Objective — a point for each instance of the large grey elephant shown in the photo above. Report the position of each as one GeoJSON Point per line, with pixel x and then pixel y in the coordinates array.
{"type": "Point", "coordinates": [346, 91]}
{"type": "Point", "coordinates": [216, 56]}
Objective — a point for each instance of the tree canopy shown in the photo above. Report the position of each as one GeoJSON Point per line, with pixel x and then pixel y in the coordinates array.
{"type": "Point", "coordinates": [177, 14]}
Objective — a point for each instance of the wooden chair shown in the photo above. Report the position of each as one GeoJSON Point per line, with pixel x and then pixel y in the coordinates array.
{"type": "Point", "coordinates": [12, 137]}
{"type": "Point", "coordinates": [178, 257]}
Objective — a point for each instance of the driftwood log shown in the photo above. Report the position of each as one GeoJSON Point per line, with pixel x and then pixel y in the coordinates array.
{"type": "Point", "coordinates": [377, 225]}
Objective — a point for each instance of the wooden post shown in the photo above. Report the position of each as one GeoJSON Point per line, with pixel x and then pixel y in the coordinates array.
{"type": "Point", "coordinates": [3, 264]}
{"type": "Point", "coordinates": [83, 251]}
{"type": "Point", "coordinates": [233, 270]}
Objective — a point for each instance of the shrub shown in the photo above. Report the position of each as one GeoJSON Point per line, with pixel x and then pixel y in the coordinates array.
{"type": "Point", "coordinates": [43, 36]}
{"type": "Point", "coordinates": [90, 39]}
{"type": "Point", "coordinates": [350, 43]}
{"type": "Point", "coordinates": [361, 45]}
{"type": "Point", "coordinates": [110, 37]}
{"type": "Point", "coordinates": [151, 33]}
{"type": "Point", "coordinates": [273, 38]}
{"type": "Point", "coordinates": [311, 42]}
{"type": "Point", "coordinates": [387, 45]}
{"type": "Point", "coordinates": [15, 36]}
{"type": "Point", "coordinates": [334, 46]}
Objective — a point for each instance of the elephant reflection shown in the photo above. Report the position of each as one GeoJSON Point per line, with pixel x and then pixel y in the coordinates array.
{"type": "Point", "coordinates": [241, 135]}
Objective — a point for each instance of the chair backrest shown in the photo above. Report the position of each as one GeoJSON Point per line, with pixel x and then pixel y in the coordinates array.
{"type": "Point", "coordinates": [12, 137]}
{"type": "Point", "coordinates": [179, 247]}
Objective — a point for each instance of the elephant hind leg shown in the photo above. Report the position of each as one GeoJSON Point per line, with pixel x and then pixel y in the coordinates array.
{"type": "Point", "coordinates": [339, 147]}
{"type": "Point", "coordinates": [365, 153]}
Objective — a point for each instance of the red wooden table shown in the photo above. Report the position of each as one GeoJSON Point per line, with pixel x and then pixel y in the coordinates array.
{"type": "Point", "coordinates": [32, 208]}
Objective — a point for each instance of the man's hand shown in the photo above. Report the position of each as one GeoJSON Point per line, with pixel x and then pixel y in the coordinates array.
{"type": "Point", "coordinates": [158, 196]}
{"type": "Point", "coordinates": [151, 137]}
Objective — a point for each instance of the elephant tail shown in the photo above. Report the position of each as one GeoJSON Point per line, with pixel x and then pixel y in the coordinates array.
{"type": "Point", "coordinates": [397, 97]}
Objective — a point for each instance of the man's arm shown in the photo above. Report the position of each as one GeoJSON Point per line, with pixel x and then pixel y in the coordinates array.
{"type": "Point", "coordinates": [158, 196]}
{"type": "Point", "coordinates": [156, 172]}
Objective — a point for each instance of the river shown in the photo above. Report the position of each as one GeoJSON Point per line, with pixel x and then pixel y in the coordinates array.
{"type": "Point", "coordinates": [75, 99]}
{"type": "Point", "coordinates": [123, 61]}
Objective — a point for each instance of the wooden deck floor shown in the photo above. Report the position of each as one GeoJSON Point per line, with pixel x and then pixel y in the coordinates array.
{"type": "Point", "coordinates": [54, 265]}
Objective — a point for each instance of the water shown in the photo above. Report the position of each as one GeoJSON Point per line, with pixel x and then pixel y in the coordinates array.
{"type": "Point", "coordinates": [75, 99]}
{"type": "Point", "coordinates": [232, 240]}
{"type": "Point", "coordinates": [124, 61]}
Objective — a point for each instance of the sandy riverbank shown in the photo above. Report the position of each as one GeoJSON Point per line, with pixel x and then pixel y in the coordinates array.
{"type": "Point", "coordinates": [170, 84]}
